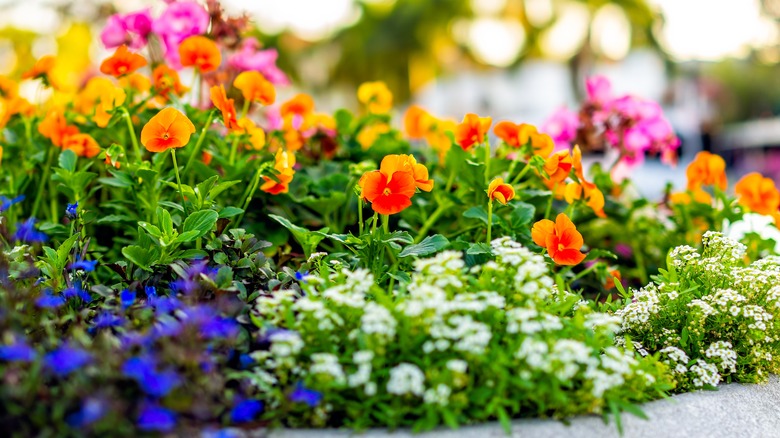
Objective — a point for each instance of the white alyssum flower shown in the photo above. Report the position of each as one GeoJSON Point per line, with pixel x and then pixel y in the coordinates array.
{"type": "Point", "coordinates": [440, 395]}
{"type": "Point", "coordinates": [285, 343]}
{"type": "Point", "coordinates": [378, 320]}
{"type": "Point", "coordinates": [457, 365]}
{"type": "Point", "coordinates": [327, 363]}
{"type": "Point", "coordinates": [704, 374]}
{"type": "Point", "coordinates": [725, 352]}
{"type": "Point", "coordinates": [406, 378]}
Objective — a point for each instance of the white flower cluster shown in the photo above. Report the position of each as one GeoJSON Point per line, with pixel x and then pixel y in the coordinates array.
{"type": "Point", "coordinates": [705, 374]}
{"type": "Point", "coordinates": [722, 249]}
{"type": "Point", "coordinates": [676, 359]}
{"type": "Point", "coordinates": [362, 377]}
{"type": "Point", "coordinates": [531, 276]}
{"type": "Point", "coordinates": [638, 312]}
{"type": "Point", "coordinates": [723, 350]}
{"type": "Point", "coordinates": [285, 343]}
{"type": "Point", "coordinates": [406, 378]}
{"type": "Point", "coordinates": [352, 292]}
{"type": "Point", "coordinates": [328, 364]}
{"type": "Point", "coordinates": [377, 320]}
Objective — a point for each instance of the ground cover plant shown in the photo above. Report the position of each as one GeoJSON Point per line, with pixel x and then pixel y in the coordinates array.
{"type": "Point", "coordinates": [208, 256]}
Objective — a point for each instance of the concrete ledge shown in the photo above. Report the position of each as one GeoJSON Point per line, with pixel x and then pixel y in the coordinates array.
{"type": "Point", "coordinates": [734, 410]}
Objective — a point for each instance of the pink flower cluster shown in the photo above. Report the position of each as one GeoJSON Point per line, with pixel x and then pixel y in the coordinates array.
{"type": "Point", "coordinates": [633, 125]}
{"type": "Point", "coordinates": [180, 20]}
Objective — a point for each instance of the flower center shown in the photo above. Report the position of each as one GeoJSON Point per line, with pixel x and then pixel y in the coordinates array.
{"type": "Point", "coordinates": [386, 191]}
{"type": "Point", "coordinates": [165, 136]}
{"type": "Point", "coordinates": [561, 247]}
{"type": "Point", "coordinates": [122, 69]}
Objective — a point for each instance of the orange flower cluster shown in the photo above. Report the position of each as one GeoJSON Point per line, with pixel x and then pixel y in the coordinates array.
{"type": "Point", "coordinates": [42, 69]}
{"type": "Point", "coordinates": [390, 189]}
{"type": "Point", "coordinates": [55, 127]}
{"type": "Point", "coordinates": [706, 169]}
{"type": "Point", "coordinates": [255, 88]}
{"type": "Point", "coordinates": [226, 106]}
{"type": "Point", "coordinates": [560, 238]}
{"type": "Point", "coordinates": [584, 190]}
{"type": "Point", "coordinates": [166, 81]}
{"type": "Point", "coordinates": [420, 124]}
{"type": "Point", "coordinates": [522, 135]}
{"type": "Point", "coordinates": [285, 161]}
{"type": "Point", "coordinates": [472, 130]}
{"type": "Point", "coordinates": [99, 97]}
{"type": "Point", "coordinates": [11, 103]}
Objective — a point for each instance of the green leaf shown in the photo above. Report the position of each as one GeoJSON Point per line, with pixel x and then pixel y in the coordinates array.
{"type": "Point", "coordinates": [164, 219]}
{"type": "Point", "coordinates": [221, 187]}
{"type": "Point", "coordinates": [479, 248]}
{"type": "Point", "coordinates": [230, 212]}
{"type": "Point", "coordinates": [477, 213]}
{"type": "Point", "coordinates": [68, 160]}
{"type": "Point", "coordinates": [112, 218]}
{"type": "Point", "coordinates": [151, 229]}
{"type": "Point", "coordinates": [522, 215]}
{"type": "Point", "coordinates": [146, 174]}
{"type": "Point", "coordinates": [429, 245]}
{"type": "Point", "coordinates": [187, 236]}
{"type": "Point", "coordinates": [142, 257]}
{"type": "Point", "coordinates": [202, 221]}
{"type": "Point", "coordinates": [64, 250]}
{"type": "Point", "coordinates": [306, 238]}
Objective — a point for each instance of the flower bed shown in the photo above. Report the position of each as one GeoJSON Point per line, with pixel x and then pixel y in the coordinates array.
{"type": "Point", "coordinates": [172, 264]}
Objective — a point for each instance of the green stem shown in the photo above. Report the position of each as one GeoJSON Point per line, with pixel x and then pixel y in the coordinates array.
{"type": "Point", "coordinates": [42, 184]}
{"type": "Point", "coordinates": [360, 216]}
{"type": "Point", "coordinates": [133, 138]}
{"type": "Point", "coordinates": [245, 109]}
{"type": "Point", "coordinates": [549, 204]}
{"type": "Point", "coordinates": [373, 228]}
{"type": "Point", "coordinates": [233, 149]}
{"type": "Point", "coordinates": [199, 143]}
{"type": "Point", "coordinates": [431, 220]}
{"type": "Point", "coordinates": [178, 179]}
{"type": "Point", "coordinates": [521, 174]}
{"type": "Point", "coordinates": [386, 223]}
{"type": "Point", "coordinates": [487, 161]}
{"type": "Point", "coordinates": [450, 180]}
{"type": "Point", "coordinates": [584, 272]}
{"type": "Point", "coordinates": [490, 221]}
{"type": "Point", "coordinates": [250, 195]}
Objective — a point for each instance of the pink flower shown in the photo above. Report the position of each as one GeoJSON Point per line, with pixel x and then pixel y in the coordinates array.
{"type": "Point", "coordinates": [262, 61]}
{"type": "Point", "coordinates": [179, 21]}
{"type": "Point", "coordinates": [599, 89]}
{"type": "Point", "coordinates": [131, 29]}
{"type": "Point", "coordinates": [562, 127]}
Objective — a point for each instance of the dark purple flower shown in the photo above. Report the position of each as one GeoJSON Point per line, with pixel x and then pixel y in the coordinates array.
{"type": "Point", "coordinates": [302, 394]}
{"type": "Point", "coordinates": [107, 320]}
{"type": "Point", "coordinates": [157, 418]}
{"type": "Point", "coordinates": [93, 409]}
{"type": "Point", "coordinates": [19, 351]}
{"type": "Point", "coordinates": [245, 411]}
{"type": "Point", "coordinates": [86, 265]}
{"type": "Point", "coordinates": [72, 210]}
{"type": "Point", "coordinates": [6, 203]}
{"type": "Point", "coordinates": [127, 298]}
{"type": "Point", "coordinates": [155, 383]}
{"type": "Point", "coordinates": [26, 232]}
{"type": "Point", "coordinates": [66, 359]}
{"type": "Point", "coordinates": [49, 301]}
{"type": "Point", "coordinates": [624, 250]}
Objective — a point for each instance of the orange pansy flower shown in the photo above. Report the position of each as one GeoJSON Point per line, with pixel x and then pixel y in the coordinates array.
{"type": "Point", "coordinates": [42, 70]}
{"type": "Point", "coordinates": [558, 166]}
{"type": "Point", "coordinates": [612, 277]}
{"type": "Point", "coordinates": [99, 96]}
{"type": "Point", "coordinates": [594, 198]}
{"type": "Point", "coordinates": [369, 134]}
{"type": "Point", "coordinates": [560, 238]}
{"type": "Point", "coordinates": [500, 191]}
{"type": "Point", "coordinates": [707, 169]}
{"type": "Point", "coordinates": [166, 80]}
{"type": "Point", "coordinates": [417, 122]}
{"type": "Point", "coordinates": [513, 134]}
{"type": "Point", "coordinates": [387, 195]}
{"type": "Point", "coordinates": [167, 129]}
{"type": "Point", "coordinates": [376, 96]}
{"type": "Point", "coordinates": [472, 130]}
{"type": "Point", "coordinates": [220, 100]}
{"type": "Point", "coordinates": [439, 139]}
{"type": "Point", "coordinates": [9, 89]}
{"type": "Point", "coordinates": [407, 163]}
{"type": "Point", "coordinates": [55, 127]}
{"type": "Point", "coordinates": [758, 194]}
{"type": "Point", "coordinates": [137, 82]}
{"type": "Point", "coordinates": [82, 144]}
{"type": "Point", "coordinates": [255, 87]}
{"type": "Point", "coordinates": [201, 53]}
{"type": "Point", "coordinates": [122, 62]}
{"type": "Point", "coordinates": [301, 104]}
{"type": "Point", "coordinates": [542, 144]}
{"type": "Point", "coordinates": [699, 196]}
{"type": "Point", "coordinates": [285, 161]}
{"type": "Point", "coordinates": [256, 134]}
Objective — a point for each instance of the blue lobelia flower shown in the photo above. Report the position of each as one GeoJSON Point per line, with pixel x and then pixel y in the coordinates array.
{"type": "Point", "coordinates": [6, 203]}
{"type": "Point", "coordinates": [155, 383]}
{"type": "Point", "coordinates": [77, 292]}
{"type": "Point", "coordinates": [19, 351]}
{"type": "Point", "coordinates": [49, 301]}
{"type": "Point", "coordinates": [26, 232]}
{"type": "Point", "coordinates": [92, 409]}
{"type": "Point", "coordinates": [246, 410]}
{"type": "Point", "coordinates": [106, 320]}
{"type": "Point", "coordinates": [85, 265]}
{"type": "Point", "coordinates": [66, 359]}
{"type": "Point", "coordinates": [302, 394]}
{"type": "Point", "coordinates": [301, 276]}
{"type": "Point", "coordinates": [154, 417]}
{"type": "Point", "coordinates": [72, 210]}
{"type": "Point", "coordinates": [127, 298]}
{"type": "Point", "coordinates": [246, 361]}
